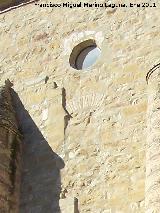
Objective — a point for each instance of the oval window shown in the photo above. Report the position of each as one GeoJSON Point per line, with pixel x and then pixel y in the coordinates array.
{"type": "Point", "coordinates": [84, 55]}
{"type": "Point", "coordinates": [87, 57]}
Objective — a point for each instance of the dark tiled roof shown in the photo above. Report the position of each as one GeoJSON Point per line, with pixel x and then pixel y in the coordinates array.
{"type": "Point", "coordinates": [8, 4]}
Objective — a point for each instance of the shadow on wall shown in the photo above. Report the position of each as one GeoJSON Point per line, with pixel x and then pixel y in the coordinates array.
{"type": "Point", "coordinates": [41, 181]}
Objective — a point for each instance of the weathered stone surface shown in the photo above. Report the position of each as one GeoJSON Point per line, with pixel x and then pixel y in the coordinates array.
{"type": "Point", "coordinates": [69, 205]}
{"type": "Point", "coordinates": [152, 195]}
{"type": "Point", "coordinates": [103, 147]}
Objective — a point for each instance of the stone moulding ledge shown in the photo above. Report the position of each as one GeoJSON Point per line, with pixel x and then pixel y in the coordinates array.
{"type": "Point", "coordinates": [154, 68]}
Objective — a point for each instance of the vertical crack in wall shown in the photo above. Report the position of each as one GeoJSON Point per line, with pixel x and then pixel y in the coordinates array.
{"type": "Point", "coordinates": [67, 117]}
{"type": "Point", "coordinates": [10, 153]}
{"type": "Point", "coordinates": [76, 205]}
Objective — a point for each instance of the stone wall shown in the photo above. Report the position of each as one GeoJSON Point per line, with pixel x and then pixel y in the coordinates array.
{"type": "Point", "coordinates": [152, 193]}
{"type": "Point", "coordinates": [103, 145]}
